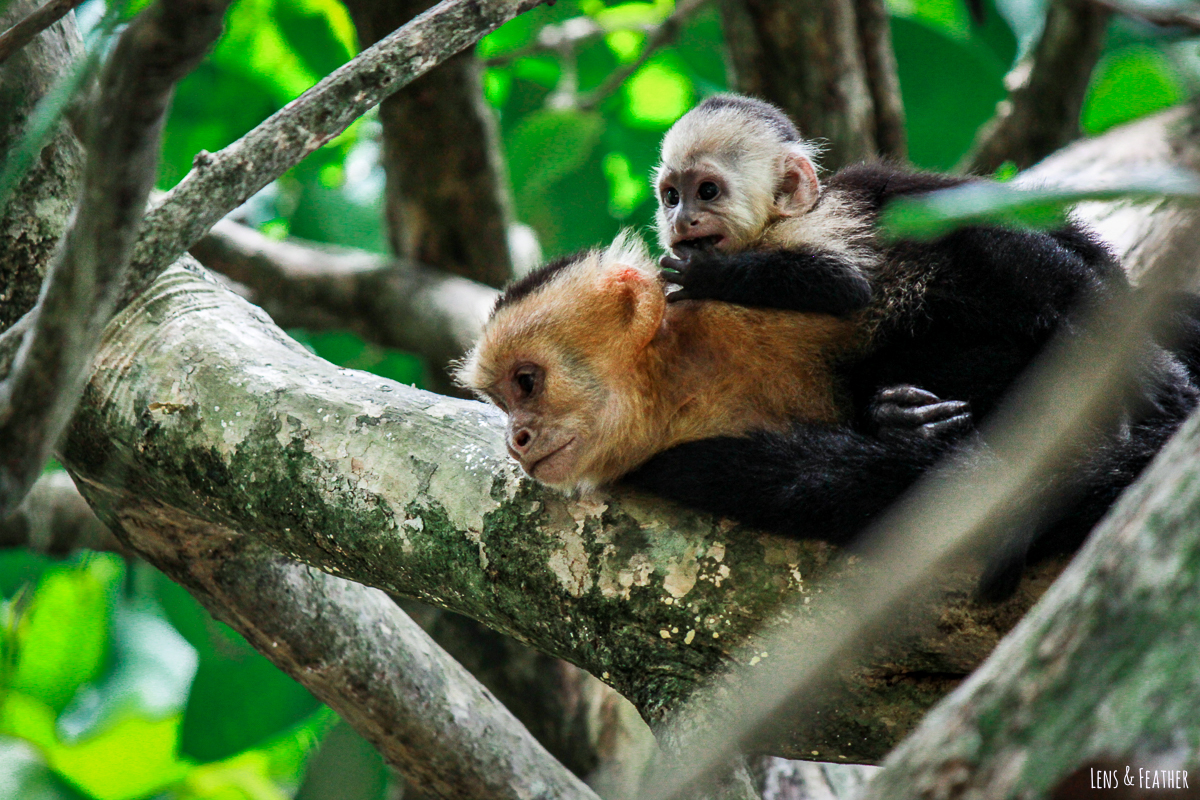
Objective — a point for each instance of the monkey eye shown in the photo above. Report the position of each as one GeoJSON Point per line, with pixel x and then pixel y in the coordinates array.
{"type": "Point", "coordinates": [671, 196]}
{"type": "Point", "coordinates": [526, 381]}
{"type": "Point", "coordinates": [708, 191]}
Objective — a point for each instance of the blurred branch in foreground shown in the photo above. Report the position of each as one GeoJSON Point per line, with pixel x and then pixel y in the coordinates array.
{"type": "Point", "coordinates": [55, 520]}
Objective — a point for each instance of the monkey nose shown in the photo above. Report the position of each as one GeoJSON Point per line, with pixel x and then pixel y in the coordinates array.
{"type": "Point", "coordinates": [520, 442]}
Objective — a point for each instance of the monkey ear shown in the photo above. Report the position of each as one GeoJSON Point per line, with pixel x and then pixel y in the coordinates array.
{"type": "Point", "coordinates": [641, 303]}
{"type": "Point", "coordinates": [799, 190]}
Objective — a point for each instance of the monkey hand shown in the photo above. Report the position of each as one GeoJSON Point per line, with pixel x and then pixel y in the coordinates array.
{"type": "Point", "coordinates": [906, 411]}
{"type": "Point", "coordinates": [697, 274]}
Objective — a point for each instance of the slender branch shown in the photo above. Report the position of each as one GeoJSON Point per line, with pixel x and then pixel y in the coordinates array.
{"type": "Point", "coordinates": [23, 32]}
{"type": "Point", "coordinates": [1165, 17]}
{"type": "Point", "coordinates": [220, 182]}
{"type": "Point", "coordinates": [663, 34]}
{"type": "Point", "coordinates": [79, 296]}
{"type": "Point", "coordinates": [356, 650]}
{"type": "Point", "coordinates": [54, 519]}
{"type": "Point", "coordinates": [1041, 113]}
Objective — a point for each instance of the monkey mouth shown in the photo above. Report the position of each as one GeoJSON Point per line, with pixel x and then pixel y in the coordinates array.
{"type": "Point", "coordinates": [699, 243]}
{"type": "Point", "coordinates": [544, 462]}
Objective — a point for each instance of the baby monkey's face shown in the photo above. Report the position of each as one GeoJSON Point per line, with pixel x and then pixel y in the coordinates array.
{"type": "Point", "coordinates": [693, 206]}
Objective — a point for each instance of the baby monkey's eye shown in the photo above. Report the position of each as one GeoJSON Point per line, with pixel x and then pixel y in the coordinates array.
{"type": "Point", "coordinates": [671, 196]}
{"type": "Point", "coordinates": [708, 191]}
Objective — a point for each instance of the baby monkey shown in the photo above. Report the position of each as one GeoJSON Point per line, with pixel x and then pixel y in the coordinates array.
{"type": "Point", "coordinates": [747, 221]}
{"type": "Point", "coordinates": [597, 372]}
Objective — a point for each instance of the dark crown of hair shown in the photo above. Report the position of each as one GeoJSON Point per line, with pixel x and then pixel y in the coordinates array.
{"type": "Point", "coordinates": [759, 109]}
{"type": "Point", "coordinates": [523, 287]}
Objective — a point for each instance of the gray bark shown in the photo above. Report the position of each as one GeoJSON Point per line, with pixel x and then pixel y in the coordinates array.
{"type": "Point", "coordinates": [35, 217]}
{"type": "Point", "coordinates": [81, 289]}
{"type": "Point", "coordinates": [23, 32]}
{"type": "Point", "coordinates": [200, 403]}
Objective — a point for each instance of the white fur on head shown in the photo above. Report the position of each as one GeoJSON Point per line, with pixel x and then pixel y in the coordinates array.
{"type": "Point", "coordinates": [750, 150]}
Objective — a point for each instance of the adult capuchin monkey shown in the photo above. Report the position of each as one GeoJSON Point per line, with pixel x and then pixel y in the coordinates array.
{"type": "Point", "coordinates": [598, 372]}
{"type": "Point", "coordinates": [747, 221]}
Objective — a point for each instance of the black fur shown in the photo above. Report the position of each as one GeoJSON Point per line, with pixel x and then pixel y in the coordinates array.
{"type": "Point", "coordinates": [796, 280]}
{"type": "Point", "coordinates": [535, 280]}
{"type": "Point", "coordinates": [961, 317]}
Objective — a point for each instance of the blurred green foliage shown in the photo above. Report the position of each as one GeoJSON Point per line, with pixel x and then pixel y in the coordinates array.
{"type": "Point", "coordinates": [114, 683]}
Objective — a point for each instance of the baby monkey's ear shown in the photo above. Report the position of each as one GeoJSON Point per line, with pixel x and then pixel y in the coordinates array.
{"type": "Point", "coordinates": [799, 188]}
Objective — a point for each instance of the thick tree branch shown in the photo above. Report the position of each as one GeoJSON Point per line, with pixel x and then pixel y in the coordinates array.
{"type": "Point", "coordinates": [356, 650]}
{"type": "Point", "coordinates": [36, 399]}
{"type": "Point", "coordinates": [202, 404]}
{"type": "Point", "coordinates": [23, 32]}
{"type": "Point", "coordinates": [1041, 113]}
{"type": "Point", "coordinates": [220, 182]}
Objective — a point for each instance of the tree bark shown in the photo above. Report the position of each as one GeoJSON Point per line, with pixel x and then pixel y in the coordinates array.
{"type": "Point", "coordinates": [1041, 113]}
{"type": "Point", "coordinates": [829, 65]}
{"type": "Point", "coordinates": [447, 202]}
{"type": "Point", "coordinates": [202, 404]}
{"type": "Point", "coordinates": [36, 215]}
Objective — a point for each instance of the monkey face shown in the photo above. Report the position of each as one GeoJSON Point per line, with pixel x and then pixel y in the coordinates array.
{"type": "Point", "coordinates": [692, 207]}
{"type": "Point", "coordinates": [563, 354]}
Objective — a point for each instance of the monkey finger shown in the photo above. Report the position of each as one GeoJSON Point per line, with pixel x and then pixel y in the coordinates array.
{"type": "Point", "coordinates": [905, 394]}
{"type": "Point", "coordinates": [679, 294]}
{"type": "Point", "coordinates": [948, 428]}
{"type": "Point", "coordinates": [672, 264]}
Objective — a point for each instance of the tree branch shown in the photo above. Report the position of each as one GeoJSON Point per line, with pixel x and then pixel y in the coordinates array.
{"type": "Point", "coordinates": [356, 650]}
{"type": "Point", "coordinates": [447, 202]}
{"type": "Point", "coordinates": [200, 403]}
{"type": "Point", "coordinates": [1046, 91]}
{"type": "Point", "coordinates": [883, 78]}
{"type": "Point", "coordinates": [54, 519]}
{"type": "Point", "coordinates": [23, 32]}
{"type": "Point", "coordinates": [1155, 15]}
{"type": "Point", "coordinates": [220, 182]}
{"type": "Point", "coordinates": [36, 214]}
{"type": "Point", "coordinates": [36, 399]}
{"type": "Point", "coordinates": [390, 302]}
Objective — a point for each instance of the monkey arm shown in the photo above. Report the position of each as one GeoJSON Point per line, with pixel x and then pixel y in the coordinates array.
{"type": "Point", "coordinates": [812, 482]}
{"type": "Point", "coordinates": [796, 280]}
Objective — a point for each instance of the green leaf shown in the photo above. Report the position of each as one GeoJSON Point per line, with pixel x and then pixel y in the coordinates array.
{"type": "Point", "coordinates": [936, 213]}
{"type": "Point", "coordinates": [949, 89]}
{"type": "Point", "coordinates": [132, 758]}
{"type": "Point", "coordinates": [657, 94]}
{"type": "Point", "coordinates": [64, 635]}
{"type": "Point", "coordinates": [549, 145]}
{"type": "Point", "coordinates": [1129, 84]}
{"type": "Point", "coordinates": [25, 776]}
{"type": "Point", "coordinates": [152, 670]}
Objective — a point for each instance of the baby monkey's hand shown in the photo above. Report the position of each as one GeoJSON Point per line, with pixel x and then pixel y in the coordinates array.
{"type": "Point", "coordinates": [902, 411]}
{"type": "Point", "coordinates": [697, 275]}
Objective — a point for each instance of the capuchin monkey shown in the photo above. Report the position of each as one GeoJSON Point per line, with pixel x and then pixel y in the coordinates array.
{"type": "Point", "coordinates": [746, 221]}
{"type": "Point", "coordinates": [597, 372]}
